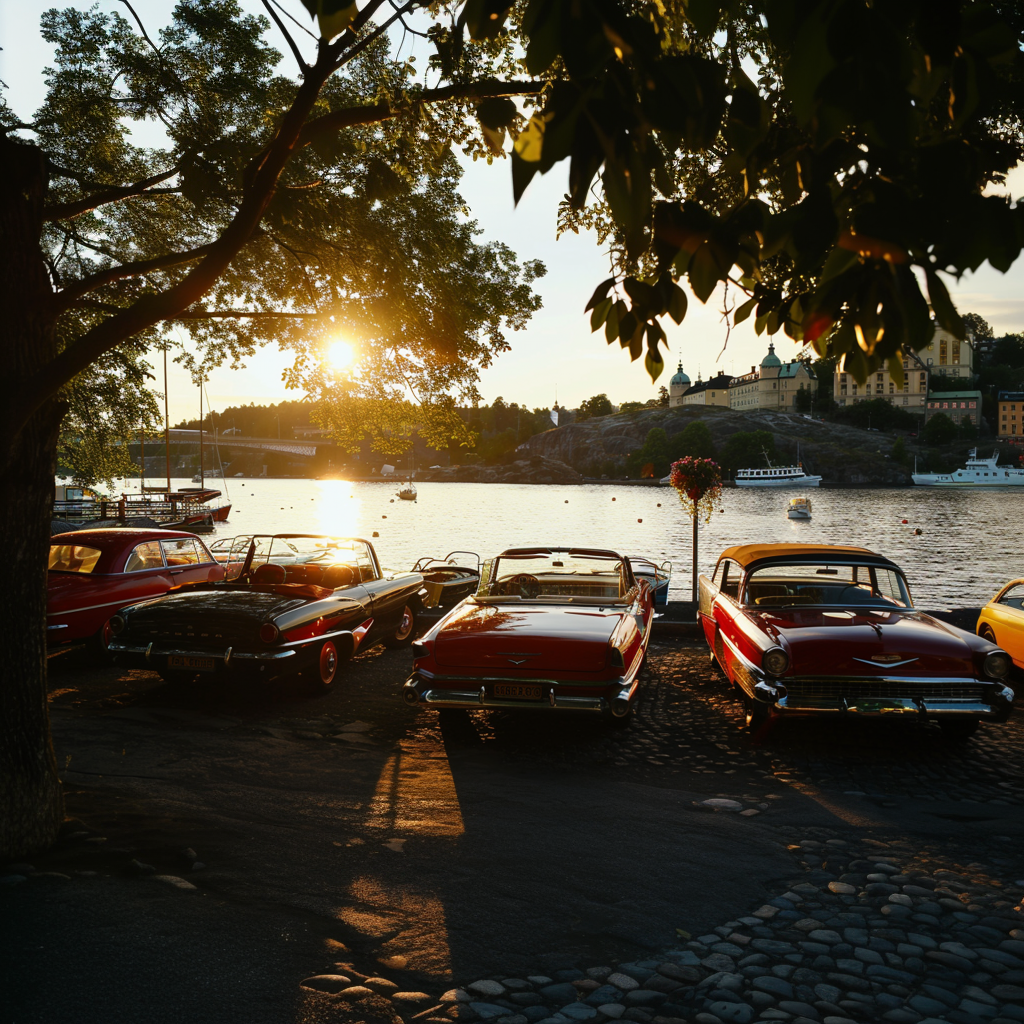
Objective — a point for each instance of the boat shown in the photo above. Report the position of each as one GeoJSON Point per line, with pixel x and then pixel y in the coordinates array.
{"type": "Point", "coordinates": [799, 508]}
{"type": "Point", "coordinates": [658, 576]}
{"type": "Point", "coordinates": [449, 580]}
{"type": "Point", "coordinates": [977, 473]}
{"type": "Point", "coordinates": [776, 476]}
{"type": "Point", "coordinates": [408, 491]}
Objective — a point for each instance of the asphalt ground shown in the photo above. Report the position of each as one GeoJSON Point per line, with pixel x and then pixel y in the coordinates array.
{"type": "Point", "coordinates": [225, 846]}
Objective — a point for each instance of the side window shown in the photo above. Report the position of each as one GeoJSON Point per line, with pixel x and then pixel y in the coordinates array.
{"type": "Point", "coordinates": [204, 553]}
{"type": "Point", "coordinates": [1014, 597]}
{"type": "Point", "coordinates": [364, 562]}
{"type": "Point", "coordinates": [145, 556]}
{"type": "Point", "coordinates": [730, 584]}
{"type": "Point", "coordinates": [180, 551]}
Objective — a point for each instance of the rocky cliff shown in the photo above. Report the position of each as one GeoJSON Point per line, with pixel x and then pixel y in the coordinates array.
{"type": "Point", "coordinates": [533, 469]}
{"type": "Point", "coordinates": [840, 453]}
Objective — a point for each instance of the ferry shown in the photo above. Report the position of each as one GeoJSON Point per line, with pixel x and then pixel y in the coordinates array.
{"type": "Point", "coordinates": [776, 476]}
{"type": "Point", "coordinates": [977, 473]}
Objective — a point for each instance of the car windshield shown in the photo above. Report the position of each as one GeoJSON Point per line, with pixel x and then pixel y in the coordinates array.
{"type": "Point", "coordinates": [554, 577]}
{"type": "Point", "coordinates": [73, 558]}
{"type": "Point", "coordinates": [291, 550]}
{"type": "Point", "coordinates": [783, 585]}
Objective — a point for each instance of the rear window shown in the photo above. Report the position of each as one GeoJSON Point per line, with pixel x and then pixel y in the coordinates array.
{"type": "Point", "coordinates": [784, 586]}
{"type": "Point", "coordinates": [145, 556]}
{"type": "Point", "coordinates": [180, 551]}
{"type": "Point", "coordinates": [73, 558]}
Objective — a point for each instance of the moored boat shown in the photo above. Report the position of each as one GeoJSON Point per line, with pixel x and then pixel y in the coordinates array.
{"type": "Point", "coordinates": [449, 580]}
{"type": "Point", "coordinates": [977, 473]}
{"type": "Point", "coordinates": [799, 508]}
{"type": "Point", "coordinates": [776, 476]}
{"type": "Point", "coordinates": [408, 491]}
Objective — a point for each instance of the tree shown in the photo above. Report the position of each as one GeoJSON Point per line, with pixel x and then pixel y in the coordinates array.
{"type": "Point", "coordinates": [1009, 351]}
{"type": "Point", "coordinates": [803, 400]}
{"type": "Point", "coordinates": [967, 429]}
{"type": "Point", "coordinates": [599, 405]}
{"type": "Point", "coordinates": [817, 197]}
{"type": "Point", "coordinates": [694, 441]}
{"type": "Point", "coordinates": [629, 407]}
{"type": "Point", "coordinates": [663, 395]}
{"type": "Point", "coordinates": [747, 450]}
{"type": "Point", "coordinates": [653, 458]}
{"type": "Point", "coordinates": [877, 414]}
{"type": "Point", "coordinates": [977, 326]}
{"type": "Point", "coordinates": [939, 430]}
{"type": "Point", "coordinates": [899, 451]}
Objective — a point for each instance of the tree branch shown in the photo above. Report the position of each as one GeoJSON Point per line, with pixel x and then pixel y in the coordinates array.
{"type": "Point", "coordinates": [210, 314]}
{"type": "Point", "coordinates": [66, 211]}
{"type": "Point", "coordinates": [371, 113]}
{"type": "Point", "coordinates": [303, 66]}
{"type": "Point", "coordinates": [67, 297]}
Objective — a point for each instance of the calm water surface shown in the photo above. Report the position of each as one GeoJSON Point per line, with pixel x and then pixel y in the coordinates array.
{"type": "Point", "coordinates": [969, 545]}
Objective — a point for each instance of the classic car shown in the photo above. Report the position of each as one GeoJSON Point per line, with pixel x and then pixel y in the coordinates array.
{"type": "Point", "coordinates": [451, 579]}
{"type": "Point", "coordinates": [659, 577]}
{"type": "Point", "coordinates": [815, 629]}
{"type": "Point", "coordinates": [92, 573]}
{"type": "Point", "coordinates": [1002, 622]}
{"type": "Point", "coordinates": [304, 615]}
{"type": "Point", "coordinates": [548, 629]}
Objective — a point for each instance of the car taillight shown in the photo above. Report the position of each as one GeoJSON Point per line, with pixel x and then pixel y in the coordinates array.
{"type": "Point", "coordinates": [268, 632]}
{"type": "Point", "coordinates": [419, 650]}
{"type": "Point", "coordinates": [615, 658]}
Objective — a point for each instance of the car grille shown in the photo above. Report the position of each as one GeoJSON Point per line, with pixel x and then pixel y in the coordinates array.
{"type": "Point", "coordinates": [882, 688]}
{"type": "Point", "coordinates": [175, 632]}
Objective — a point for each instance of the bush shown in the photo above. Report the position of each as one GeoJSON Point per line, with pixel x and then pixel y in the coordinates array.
{"type": "Point", "coordinates": [878, 414]}
{"type": "Point", "coordinates": [653, 458]}
{"type": "Point", "coordinates": [747, 449]}
{"type": "Point", "coordinates": [939, 430]}
{"type": "Point", "coordinates": [899, 451]}
{"type": "Point", "coordinates": [695, 441]}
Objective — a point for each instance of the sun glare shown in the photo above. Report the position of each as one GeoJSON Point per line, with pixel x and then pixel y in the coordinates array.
{"type": "Point", "coordinates": [339, 355]}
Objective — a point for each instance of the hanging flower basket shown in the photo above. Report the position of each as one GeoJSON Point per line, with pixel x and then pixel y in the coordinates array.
{"type": "Point", "coordinates": [699, 485]}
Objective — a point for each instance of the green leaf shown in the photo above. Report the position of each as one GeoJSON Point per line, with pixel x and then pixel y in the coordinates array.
{"type": "Point", "coordinates": [677, 304]}
{"type": "Point", "coordinates": [522, 174]}
{"type": "Point", "coordinates": [942, 305]}
{"type": "Point", "coordinates": [600, 314]}
{"type": "Point", "coordinates": [332, 16]}
{"type": "Point", "coordinates": [611, 325]}
{"type": "Point", "coordinates": [599, 293]}
{"type": "Point", "coordinates": [744, 311]}
{"type": "Point", "coordinates": [703, 15]}
{"type": "Point", "coordinates": [654, 366]}
{"type": "Point", "coordinates": [704, 274]}
{"type": "Point", "coordinates": [485, 18]}
{"type": "Point", "coordinates": [496, 112]}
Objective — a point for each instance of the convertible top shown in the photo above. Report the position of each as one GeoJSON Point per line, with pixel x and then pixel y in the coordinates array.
{"type": "Point", "coordinates": [747, 554]}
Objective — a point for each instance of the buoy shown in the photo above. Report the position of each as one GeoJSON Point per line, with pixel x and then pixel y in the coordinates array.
{"type": "Point", "coordinates": [383, 517]}
{"type": "Point", "coordinates": [659, 504]}
{"type": "Point", "coordinates": [639, 520]}
{"type": "Point", "coordinates": [567, 501]}
{"type": "Point", "coordinates": [376, 534]}
{"type": "Point", "coordinates": [613, 499]}
{"type": "Point", "coordinates": [904, 521]}
{"type": "Point", "coordinates": [392, 501]}
{"type": "Point", "coordinates": [919, 531]}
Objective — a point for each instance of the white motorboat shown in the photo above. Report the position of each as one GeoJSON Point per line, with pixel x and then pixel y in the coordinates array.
{"type": "Point", "coordinates": [776, 476]}
{"type": "Point", "coordinates": [977, 473]}
{"type": "Point", "coordinates": [799, 508]}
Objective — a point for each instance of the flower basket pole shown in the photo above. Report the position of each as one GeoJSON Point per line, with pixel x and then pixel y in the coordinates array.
{"type": "Point", "coordinates": [698, 482]}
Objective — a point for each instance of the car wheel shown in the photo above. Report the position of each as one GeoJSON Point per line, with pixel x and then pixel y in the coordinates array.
{"type": "Point", "coordinates": [620, 721]}
{"type": "Point", "coordinates": [320, 677]}
{"type": "Point", "coordinates": [755, 713]}
{"type": "Point", "coordinates": [959, 728]}
{"type": "Point", "coordinates": [985, 632]}
{"type": "Point", "coordinates": [99, 643]}
{"type": "Point", "coordinates": [403, 636]}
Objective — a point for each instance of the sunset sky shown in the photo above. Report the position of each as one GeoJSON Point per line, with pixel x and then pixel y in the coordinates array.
{"type": "Point", "coordinates": [557, 351]}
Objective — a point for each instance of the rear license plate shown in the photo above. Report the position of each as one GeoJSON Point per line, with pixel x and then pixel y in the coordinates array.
{"type": "Point", "coordinates": [522, 691]}
{"type": "Point", "coordinates": [194, 664]}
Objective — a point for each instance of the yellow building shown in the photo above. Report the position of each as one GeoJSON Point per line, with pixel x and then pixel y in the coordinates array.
{"type": "Point", "coordinates": [1011, 414]}
{"type": "Point", "coordinates": [774, 385]}
{"type": "Point", "coordinates": [709, 392]}
{"type": "Point", "coordinates": [948, 356]}
{"type": "Point", "coordinates": [913, 395]}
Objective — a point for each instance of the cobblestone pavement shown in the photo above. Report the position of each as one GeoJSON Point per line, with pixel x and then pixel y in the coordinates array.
{"type": "Point", "coordinates": [899, 898]}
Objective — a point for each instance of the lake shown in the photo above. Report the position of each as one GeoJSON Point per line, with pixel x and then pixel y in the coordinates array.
{"type": "Point", "coordinates": [969, 545]}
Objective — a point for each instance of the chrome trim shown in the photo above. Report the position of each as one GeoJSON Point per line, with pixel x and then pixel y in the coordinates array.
{"type": "Point", "coordinates": [62, 625]}
{"type": "Point", "coordinates": [885, 664]}
{"type": "Point", "coordinates": [900, 706]}
{"type": "Point", "coordinates": [471, 699]}
{"type": "Point", "coordinates": [227, 656]}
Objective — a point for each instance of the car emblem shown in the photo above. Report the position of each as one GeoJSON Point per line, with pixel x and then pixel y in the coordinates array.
{"type": "Point", "coordinates": [517, 661]}
{"type": "Point", "coordinates": [885, 657]}
{"type": "Point", "coordinates": [521, 655]}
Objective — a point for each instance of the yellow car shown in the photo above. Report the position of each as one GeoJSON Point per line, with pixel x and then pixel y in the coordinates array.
{"type": "Point", "coordinates": [1002, 621]}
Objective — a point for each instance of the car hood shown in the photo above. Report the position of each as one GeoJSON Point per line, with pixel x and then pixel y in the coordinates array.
{"type": "Point", "coordinates": [222, 613]}
{"type": "Point", "coordinates": [904, 643]}
{"type": "Point", "coordinates": [526, 639]}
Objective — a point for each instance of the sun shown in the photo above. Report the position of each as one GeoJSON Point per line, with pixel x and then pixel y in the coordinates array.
{"type": "Point", "coordinates": [339, 355]}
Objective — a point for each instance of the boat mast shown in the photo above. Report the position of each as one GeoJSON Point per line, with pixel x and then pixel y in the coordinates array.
{"type": "Point", "coordinates": [202, 481]}
{"type": "Point", "coordinates": [142, 460]}
{"type": "Point", "coordinates": [167, 426]}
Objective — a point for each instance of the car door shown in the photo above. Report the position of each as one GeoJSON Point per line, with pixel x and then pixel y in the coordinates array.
{"type": "Point", "coordinates": [1006, 615]}
{"type": "Point", "coordinates": [388, 592]}
{"type": "Point", "coordinates": [725, 609]}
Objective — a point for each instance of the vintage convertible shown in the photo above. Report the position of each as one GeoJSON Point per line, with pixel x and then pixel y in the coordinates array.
{"type": "Point", "coordinates": [92, 573]}
{"type": "Point", "coordinates": [549, 629]}
{"type": "Point", "coordinates": [327, 598]}
{"type": "Point", "coordinates": [1002, 622]}
{"type": "Point", "coordinates": [814, 629]}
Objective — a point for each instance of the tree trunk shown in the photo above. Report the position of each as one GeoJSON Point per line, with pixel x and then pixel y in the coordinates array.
{"type": "Point", "coordinates": [31, 803]}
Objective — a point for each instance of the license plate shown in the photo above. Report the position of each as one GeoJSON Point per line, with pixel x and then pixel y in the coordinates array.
{"type": "Point", "coordinates": [522, 691]}
{"type": "Point", "coordinates": [193, 664]}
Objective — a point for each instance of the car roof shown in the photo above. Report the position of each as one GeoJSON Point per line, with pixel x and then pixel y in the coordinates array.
{"type": "Point", "coordinates": [747, 554]}
{"type": "Point", "coordinates": [114, 534]}
{"type": "Point", "coordinates": [540, 552]}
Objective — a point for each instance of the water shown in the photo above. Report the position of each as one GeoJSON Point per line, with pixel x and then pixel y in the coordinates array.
{"type": "Point", "coordinates": [969, 545]}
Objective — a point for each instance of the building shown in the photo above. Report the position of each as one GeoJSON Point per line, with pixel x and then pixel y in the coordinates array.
{"type": "Point", "coordinates": [913, 395]}
{"type": "Point", "coordinates": [1010, 416]}
{"type": "Point", "coordinates": [959, 406]}
{"type": "Point", "coordinates": [774, 385]}
{"type": "Point", "coordinates": [709, 392]}
{"type": "Point", "coordinates": [948, 356]}
{"type": "Point", "coordinates": [677, 386]}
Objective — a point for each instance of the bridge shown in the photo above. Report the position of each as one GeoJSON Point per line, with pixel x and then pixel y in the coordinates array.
{"type": "Point", "coordinates": [304, 448]}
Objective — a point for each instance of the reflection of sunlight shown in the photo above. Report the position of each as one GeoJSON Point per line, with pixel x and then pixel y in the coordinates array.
{"type": "Point", "coordinates": [339, 355]}
{"type": "Point", "coordinates": [416, 793]}
{"type": "Point", "coordinates": [338, 514]}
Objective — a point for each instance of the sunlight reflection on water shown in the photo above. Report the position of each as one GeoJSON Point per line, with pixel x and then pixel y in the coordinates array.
{"type": "Point", "coordinates": [968, 547]}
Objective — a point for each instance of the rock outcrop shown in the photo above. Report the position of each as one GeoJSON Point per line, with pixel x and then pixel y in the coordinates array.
{"type": "Point", "coordinates": [535, 469]}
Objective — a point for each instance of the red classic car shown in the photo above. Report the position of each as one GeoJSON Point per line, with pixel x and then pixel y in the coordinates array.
{"type": "Point", "coordinates": [548, 629]}
{"type": "Point", "coordinates": [95, 572]}
{"type": "Point", "coordinates": [301, 605]}
{"type": "Point", "coordinates": [817, 629]}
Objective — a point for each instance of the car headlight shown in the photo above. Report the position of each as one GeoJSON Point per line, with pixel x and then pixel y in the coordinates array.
{"type": "Point", "coordinates": [996, 665]}
{"type": "Point", "coordinates": [268, 632]}
{"type": "Point", "coordinates": [117, 624]}
{"type": "Point", "coordinates": [775, 661]}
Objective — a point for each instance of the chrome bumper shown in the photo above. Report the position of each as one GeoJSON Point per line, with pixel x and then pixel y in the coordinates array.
{"type": "Point", "coordinates": [226, 656]}
{"type": "Point", "coordinates": [422, 689]}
